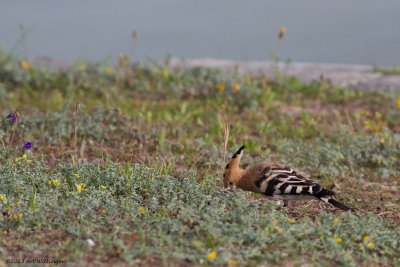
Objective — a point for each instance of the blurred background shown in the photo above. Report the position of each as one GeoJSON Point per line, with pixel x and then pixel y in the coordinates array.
{"type": "Point", "coordinates": [355, 32]}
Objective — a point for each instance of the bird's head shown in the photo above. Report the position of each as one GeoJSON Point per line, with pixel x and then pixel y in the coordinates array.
{"type": "Point", "coordinates": [232, 171]}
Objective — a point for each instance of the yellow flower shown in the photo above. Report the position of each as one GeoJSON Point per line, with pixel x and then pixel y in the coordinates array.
{"type": "Point", "coordinates": [386, 135]}
{"type": "Point", "coordinates": [335, 222]}
{"type": "Point", "coordinates": [366, 238]}
{"type": "Point", "coordinates": [109, 70]}
{"type": "Point", "coordinates": [398, 103]}
{"type": "Point", "coordinates": [291, 220]}
{"type": "Point", "coordinates": [77, 175]}
{"type": "Point", "coordinates": [18, 202]}
{"type": "Point", "coordinates": [379, 161]}
{"type": "Point", "coordinates": [233, 263]}
{"type": "Point", "coordinates": [211, 256]}
{"type": "Point", "coordinates": [338, 240]}
{"type": "Point", "coordinates": [49, 182]}
{"type": "Point", "coordinates": [359, 245]}
{"type": "Point", "coordinates": [2, 197]}
{"type": "Point", "coordinates": [236, 87]}
{"type": "Point", "coordinates": [382, 140]}
{"type": "Point", "coordinates": [24, 156]}
{"type": "Point", "coordinates": [165, 74]}
{"type": "Point", "coordinates": [341, 156]}
{"type": "Point", "coordinates": [141, 210]}
{"type": "Point", "coordinates": [103, 187]}
{"type": "Point", "coordinates": [5, 232]}
{"type": "Point", "coordinates": [221, 87]}
{"type": "Point", "coordinates": [20, 215]}
{"type": "Point", "coordinates": [378, 114]}
{"type": "Point", "coordinates": [121, 59]}
{"type": "Point", "coordinates": [56, 182]}
{"type": "Point", "coordinates": [279, 230]}
{"type": "Point", "coordinates": [82, 68]}
{"type": "Point", "coordinates": [80, 187]}
{"type": "Point", "coordinates": [282, 32]}
{"type": "Point", "coordinates": [16, 216]}
{"type": "Point", "coordinates": [16, 160]}
{"type": "Point", "coordinates": [371, 245]}
{"type": "Point", "coordinates": [25, 65]}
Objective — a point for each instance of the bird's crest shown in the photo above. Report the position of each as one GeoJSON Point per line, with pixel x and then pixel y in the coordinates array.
{"type": "Point", "coordinates": [232, 170]}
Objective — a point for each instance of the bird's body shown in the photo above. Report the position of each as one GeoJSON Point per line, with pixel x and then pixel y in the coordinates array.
{"type": "Point", "coordinates": [276, 181]}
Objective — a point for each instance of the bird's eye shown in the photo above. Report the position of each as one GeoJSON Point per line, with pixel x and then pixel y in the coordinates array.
{"type": "Point", "coordinates": [231, 183]}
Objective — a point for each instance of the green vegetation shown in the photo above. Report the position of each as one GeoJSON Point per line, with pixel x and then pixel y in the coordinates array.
{"type": "Point", "coordinates": [140, 182]}
{"type": "Point", "coordinates": [395, 70]}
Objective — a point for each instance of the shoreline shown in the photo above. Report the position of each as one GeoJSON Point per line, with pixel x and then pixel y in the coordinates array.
{"type": "Point", "coordinates": [358, 76]}
{"type": "Point", "coordinates": [347, 75]}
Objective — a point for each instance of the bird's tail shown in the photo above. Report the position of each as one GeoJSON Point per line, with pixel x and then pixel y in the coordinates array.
{"type": "Point", "coordinates": [337, 204]}
{"type": "Point", "coordinates": [326, 196]}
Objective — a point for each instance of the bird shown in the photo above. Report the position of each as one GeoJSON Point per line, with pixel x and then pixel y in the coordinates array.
{"type": "Point", "coordinates": [276, 182]}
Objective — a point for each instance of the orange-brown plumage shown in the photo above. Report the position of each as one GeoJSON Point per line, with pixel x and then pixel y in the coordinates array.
{"type": "Point", "coordinates": [276, 181]}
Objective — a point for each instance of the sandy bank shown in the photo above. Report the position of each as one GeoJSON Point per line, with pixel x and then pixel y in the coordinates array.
{"type": "Point", "coordinates": [358, 76]}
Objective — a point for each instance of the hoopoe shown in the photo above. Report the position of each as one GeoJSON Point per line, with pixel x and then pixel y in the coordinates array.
{"type": "Point", "coordinates": [276, 181]}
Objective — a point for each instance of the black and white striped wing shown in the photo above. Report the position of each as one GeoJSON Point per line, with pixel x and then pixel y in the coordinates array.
{"type": "Point", "coordinates": [285, 183]}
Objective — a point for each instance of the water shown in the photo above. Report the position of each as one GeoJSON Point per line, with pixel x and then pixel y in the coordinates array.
{"type": "Point", "coordinates": [356, 32]}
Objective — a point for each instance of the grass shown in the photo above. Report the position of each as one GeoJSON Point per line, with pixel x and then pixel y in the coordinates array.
{"type": "Point", "coordinates": [137, 180]}
{"type": "Point", "coordinates": [394, 70]}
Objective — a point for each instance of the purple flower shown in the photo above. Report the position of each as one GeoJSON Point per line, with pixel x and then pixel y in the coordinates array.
{"type": "Point", "coordinates": [28, 145]}
{"type": "Point", "coordinates": [12, 117]}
